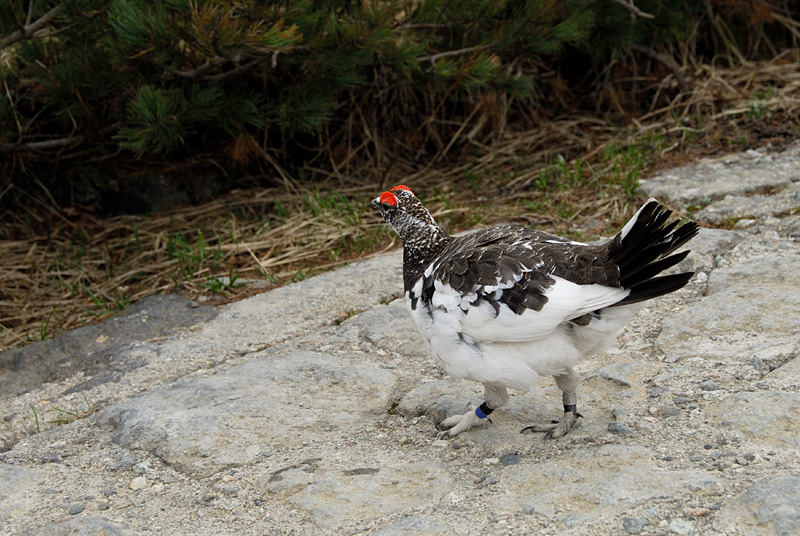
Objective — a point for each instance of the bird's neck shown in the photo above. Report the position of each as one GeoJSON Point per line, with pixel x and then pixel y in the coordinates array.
{"type": "Point", "coordinates": [420, 248]}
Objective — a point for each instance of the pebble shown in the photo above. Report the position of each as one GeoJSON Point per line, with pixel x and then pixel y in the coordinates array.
{"type": "Point", "coordinates": [680, 526]}
{"type": "Point", "coordinates": [138, 483]}
{"type": "Point", "coordinates": [634, 525]}
{"type": "Point", "coordinates": [708, 385]}
{"type": "Point", "coordinates": [509, 459]}
{"type": "Point", "coordinates": [617, 428]}
{"type": "Point", "coordinates": [51, 457]}
{"type": "Point", "coordinates": [76, 509]}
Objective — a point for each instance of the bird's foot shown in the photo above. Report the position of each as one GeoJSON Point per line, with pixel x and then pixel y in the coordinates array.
{"type": "Point", "coordinates": [557, 428]}
{"type": "Point", "coordinates": [452, 426]}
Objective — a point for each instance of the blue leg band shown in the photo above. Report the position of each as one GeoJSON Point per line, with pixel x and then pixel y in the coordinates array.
{"type": "Point", "coordinates": [483, 411]}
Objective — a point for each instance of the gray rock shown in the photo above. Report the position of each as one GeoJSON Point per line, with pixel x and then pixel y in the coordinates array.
{"type": "Point", "coordinates": [390, 328]}
{"type": "Point", "coordinates": [617, 428]}
{"type": "Point", "coordinates": [415, 525]}
{"type": "Point", "coordinates": [771, 506]}
{"type": "Point", "coordinates": [737, 207]}
{"type": "Point", "coordinates": [764, 417]}
{"type": "Point", "coordinates": [680, 526]}
{"type": "Point", "coordinates": [76, 509]}
{"type": "Point", "coordinates": [510, 459]}
{"type": "Point", "coordinates": [204, 425]}
{"type": "Point", "coordinates": [627, 374]}
{"type": "Point", "coordinates": [707, 245]}
{"type": "Point", "coordinates": [84, 526]}
{"type": "Point", "coordinates": [713, 178]}
{"type": "Point", "coordinates": [634, 525]}
{"type": "Point", "coordinates": [440, 399]}
{"type": "Point", "coordinates": [733, 321]}
{"type": "Point", "coordinates": [17, 484]}
{"type": "Point", "coordinates": [99, 349]}
{"type": "Point", "coordinates": [604, 480]}
{"type": "Point", "coordinates": [708, 385]}
{"type": "Point", "coordinates": [333, 499]}
{"type": "Point", "coordinates": [787, 375]}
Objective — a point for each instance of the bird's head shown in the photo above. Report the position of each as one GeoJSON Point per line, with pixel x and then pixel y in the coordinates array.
{"type": "Point", "coordinates": [407, 215]}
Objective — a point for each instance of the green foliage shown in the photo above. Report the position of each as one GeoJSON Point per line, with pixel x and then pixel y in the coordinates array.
{"type": "Point", "coordinates": [107, 82]}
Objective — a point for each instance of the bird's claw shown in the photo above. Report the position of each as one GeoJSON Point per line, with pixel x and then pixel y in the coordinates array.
{"type": "Point", "coordinates": [556, 429]}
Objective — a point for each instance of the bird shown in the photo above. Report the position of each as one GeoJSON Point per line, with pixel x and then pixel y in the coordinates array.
{"type": "Point", "coordinates": [507, 305]}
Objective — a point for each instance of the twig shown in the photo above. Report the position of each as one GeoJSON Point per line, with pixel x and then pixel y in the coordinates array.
{"type": "Point", "coordinates": [38, 145]}
{"type": "Point", "coordinates": [30, 28]}
{"type": "Point", "coordinates": [668, 62]}
{"type": "Point", "coordinates": [200, 69]}
{"type": "Point", "coordinates": [433, 57]}
{"type": "Point", "coordinates": [30, 12]}
{"type": "Point", "coordinates": [434, 25]}
{"type": "Point", "coordinates": [634, 10]}
{"type": "Point", "coordinates": [226, 74]}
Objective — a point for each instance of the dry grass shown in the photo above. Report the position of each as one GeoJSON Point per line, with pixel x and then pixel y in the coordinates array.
{"type": "Point", "coordinates": [63, 269]}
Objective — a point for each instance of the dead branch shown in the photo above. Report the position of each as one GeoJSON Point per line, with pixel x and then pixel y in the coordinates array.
{"type": "Point", "coordinates": [434, 57]}
{"type": "Point", "coordinates": [634, 10]}
{"type": "Point", "coordinates": [668, 62]}
{"type": "Point", "coordinates": [30, 28]}
{"type": "Point", "coordinates": [39, 145]}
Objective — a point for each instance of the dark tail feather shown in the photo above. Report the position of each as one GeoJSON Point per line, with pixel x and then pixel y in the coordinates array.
{"type": "Point", "coordinates": [643, 250]}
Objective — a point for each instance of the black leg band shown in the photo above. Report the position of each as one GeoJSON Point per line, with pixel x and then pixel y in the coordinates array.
{"type": "Point", "coordinates": [570, 408]}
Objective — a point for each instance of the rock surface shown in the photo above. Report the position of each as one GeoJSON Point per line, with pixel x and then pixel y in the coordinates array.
{"type": "Point", "coordinates": [310, 409]}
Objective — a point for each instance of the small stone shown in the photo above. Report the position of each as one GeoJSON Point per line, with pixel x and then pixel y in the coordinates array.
{"type": "Point", "coordinates": [103, 504]}
{"type": "Point", "coordinates": [142, 467]}
{"type": "Point", "coordinates": [700, 512]}
{"type": "Point", "coordinates": [658, 391]}
{"type": "Point", "coordinates": [741, 461]}
{"type": "Point", "coordinates": [138, 483]}
{"type": "Point", "coordinates": [227, 489]}
{"type": "Point", "coordinates": [76, 509]}
{"type": "Point", "coordinates": [51, 457]}
{"type": "Point", "coordinates": [509, 459]}
{"type": "Point", "coordinates": [708, 385]}
{"type": "Point", "coordinates": [680, 526]}
{"type": "Point", "coordinates": [491, 461]}
{"type": "Point", "coordinates": [618, 428]}
{"type": "Point", "coordinates": [633, 525]}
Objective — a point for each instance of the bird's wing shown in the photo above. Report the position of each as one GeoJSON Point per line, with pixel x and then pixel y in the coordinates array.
{"type": "Point", "coordinates": [507, 292]}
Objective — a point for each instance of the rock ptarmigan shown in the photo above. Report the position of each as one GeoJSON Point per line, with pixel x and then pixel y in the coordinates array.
{"type": "Point", "coordinates": [505, 305]}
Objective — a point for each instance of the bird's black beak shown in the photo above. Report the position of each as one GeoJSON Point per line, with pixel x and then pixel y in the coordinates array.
{"type": "Point", "coordinates": [375, 203]}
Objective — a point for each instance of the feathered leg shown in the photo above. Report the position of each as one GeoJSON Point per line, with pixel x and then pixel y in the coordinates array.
{"type": "Point", "coordinates": [494, 397]}
{"type": "Point", "coordinates": [568, 383]}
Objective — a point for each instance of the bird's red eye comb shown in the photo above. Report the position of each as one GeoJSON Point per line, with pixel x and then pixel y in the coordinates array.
{"type": "Point", "coordinates": [388, 198]}
{"type": "Point", "coordinates": [403, 187]}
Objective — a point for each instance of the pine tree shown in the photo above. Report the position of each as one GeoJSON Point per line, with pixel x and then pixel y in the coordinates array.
{"type": "Point", "coordinates": [110, 85]}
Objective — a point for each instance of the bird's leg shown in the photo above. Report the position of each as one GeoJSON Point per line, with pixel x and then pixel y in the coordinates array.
{"type": "Point", "coordinates": [568, 383]}
{"type": "Point", "coordinates": [494, 397]}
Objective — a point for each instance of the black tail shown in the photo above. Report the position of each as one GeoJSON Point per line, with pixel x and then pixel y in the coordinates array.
{"type": "Point", "coordinates": [643, 249]}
